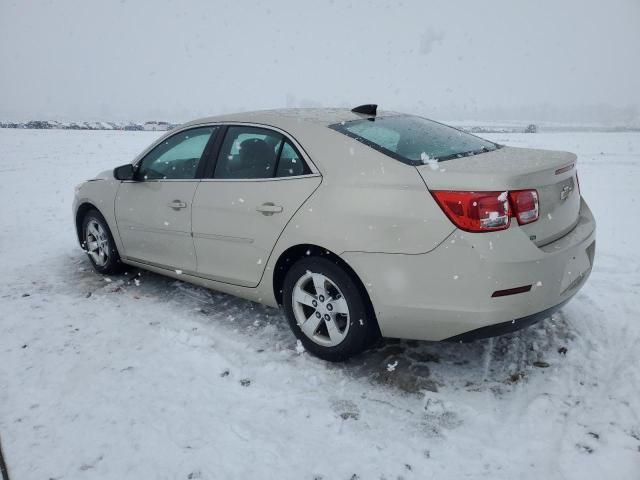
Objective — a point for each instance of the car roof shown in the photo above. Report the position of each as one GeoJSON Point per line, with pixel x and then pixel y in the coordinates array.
{"type": "Point", "coordinates": [285, 117]}
{"type": "Point", "coordinates": [324, 146]}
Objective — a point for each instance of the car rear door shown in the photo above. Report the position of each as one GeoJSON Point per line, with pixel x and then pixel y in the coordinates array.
{"type": "Point", "coordinates": [153, 213]}
{"type": "Point", "coordinates": [258, 181]}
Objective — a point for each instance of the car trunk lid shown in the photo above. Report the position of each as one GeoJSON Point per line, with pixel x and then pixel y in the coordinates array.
{"type": "Point", "coordinates": [551, 173]}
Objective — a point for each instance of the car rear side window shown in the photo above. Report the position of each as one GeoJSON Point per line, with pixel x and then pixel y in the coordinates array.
{"type": "Point", "coordinates": [253, 152]}
{"type": "Point", "coordinates": [290, 164]}
{"type": "Point", "coordinates": [414, 140]}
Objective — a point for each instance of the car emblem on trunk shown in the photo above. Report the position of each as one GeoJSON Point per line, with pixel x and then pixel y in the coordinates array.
{"type": "Point", "coordinates": [566, 190]}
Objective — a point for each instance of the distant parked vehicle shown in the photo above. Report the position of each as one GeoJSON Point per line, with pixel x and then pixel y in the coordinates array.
{"type": "Point", "coordinates": [531, 128]}
{"type": "Point", "coordinates": [357, 223]}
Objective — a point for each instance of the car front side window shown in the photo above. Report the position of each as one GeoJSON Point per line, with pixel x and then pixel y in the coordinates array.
{"type": "Point", "coordinates": [177, 157]}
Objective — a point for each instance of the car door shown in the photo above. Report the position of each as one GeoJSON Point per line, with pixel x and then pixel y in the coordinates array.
{"type": "Point", "coordinates": [259, 180]}
{"type": "Point", "coordinates": [153, 212]}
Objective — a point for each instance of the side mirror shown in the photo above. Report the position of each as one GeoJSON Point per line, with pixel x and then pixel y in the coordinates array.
{"type": "Point", "coordinates": [124, 172]}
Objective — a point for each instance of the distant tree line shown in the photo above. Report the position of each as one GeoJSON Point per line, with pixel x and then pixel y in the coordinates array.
{"type": "Point", "coordinates": [53, 124]}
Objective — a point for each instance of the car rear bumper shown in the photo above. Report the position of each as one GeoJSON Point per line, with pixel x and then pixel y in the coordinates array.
{"type": "Point", "coordinates": [449, 293]}
{"type": "Point", "coordinates": [505, 327]}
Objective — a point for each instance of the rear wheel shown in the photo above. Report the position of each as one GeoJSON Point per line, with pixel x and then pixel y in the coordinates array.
{"type": "Point", "coordinates": [99, 245]}
{"type": "Point", "coordinates": [326, 309]}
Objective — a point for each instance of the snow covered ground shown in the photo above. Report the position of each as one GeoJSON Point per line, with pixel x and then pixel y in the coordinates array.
{"type": "Point", "coordinates": [153, 378]}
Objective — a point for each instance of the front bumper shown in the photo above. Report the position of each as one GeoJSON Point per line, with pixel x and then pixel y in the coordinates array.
{"type": "Point", "coordinates": [448, 292]}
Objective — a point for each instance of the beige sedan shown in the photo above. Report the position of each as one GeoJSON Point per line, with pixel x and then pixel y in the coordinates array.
{"type": "Point", "coordinates": [358, 223]}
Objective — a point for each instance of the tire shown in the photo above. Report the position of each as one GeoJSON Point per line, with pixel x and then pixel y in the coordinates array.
{"type": "Point", "coordinates": [98, 243]}
{"type": "Point", "coordinates": [334, 335]}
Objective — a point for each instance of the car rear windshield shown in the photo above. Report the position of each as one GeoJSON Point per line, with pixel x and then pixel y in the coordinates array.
{"type": "Point", "coordinates": [414, 140]}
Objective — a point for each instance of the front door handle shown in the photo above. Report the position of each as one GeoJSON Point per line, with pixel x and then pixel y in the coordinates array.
{"type": "Point", "coordinates": [177, 204]}
{"type": "Point", "coordinates": [269, 208]}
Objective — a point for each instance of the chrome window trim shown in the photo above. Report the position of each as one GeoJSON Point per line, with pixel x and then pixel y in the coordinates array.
{"type": "Point", "coordinates": [312, 166]}
{"type": "Point", "coordinates": [270, 179]}
{"type": "Point", "coordinates": [155, 180]}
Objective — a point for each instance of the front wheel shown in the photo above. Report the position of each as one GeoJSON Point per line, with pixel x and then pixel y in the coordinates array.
{"type": "Point", "coordinates": [99, 245]}
{"type": "Point", "coordinates": [326, 310]}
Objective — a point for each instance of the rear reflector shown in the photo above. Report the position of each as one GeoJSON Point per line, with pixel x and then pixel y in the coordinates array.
{"type": "Point", "coordinates": [511, 291]}
{"type": "Point", "coordinates": [525, 205]}
{"type": "Point", "coordinates": [475, 211]}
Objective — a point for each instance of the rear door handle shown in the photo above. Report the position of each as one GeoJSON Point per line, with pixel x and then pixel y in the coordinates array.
{"type": "Point", "coordinates": [177, 204]}
{"type": "Point", "coordinates": [269, 208]}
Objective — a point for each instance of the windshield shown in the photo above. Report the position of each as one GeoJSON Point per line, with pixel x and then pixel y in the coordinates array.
{"type": "Point", "coordinates": [414, 140]}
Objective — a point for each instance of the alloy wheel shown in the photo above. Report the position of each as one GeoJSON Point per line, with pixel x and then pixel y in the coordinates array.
{"type": "Point", "coordinates": [320, 309]}
{"type": "Point", "coordinates": [97, 243]}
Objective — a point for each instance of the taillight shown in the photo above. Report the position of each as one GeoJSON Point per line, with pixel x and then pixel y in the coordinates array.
{"type": "Point", "coordinates": [525, 205]}
{"type": "Point", "coordinates": [475, 211]}
{"type": "Point", "coordinates": [488, 211]}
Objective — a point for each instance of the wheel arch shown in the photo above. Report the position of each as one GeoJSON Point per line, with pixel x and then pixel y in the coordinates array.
{"type": "Point", "coordinates": [81, 211]}
{"type": "Point", "coordinates": [294, 253]}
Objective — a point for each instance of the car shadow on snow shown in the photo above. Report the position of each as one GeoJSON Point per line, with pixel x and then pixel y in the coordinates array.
{"type": "Point", "coordinates": [495, 363]}
{"type": "Point", "coordinates": [408, 366]}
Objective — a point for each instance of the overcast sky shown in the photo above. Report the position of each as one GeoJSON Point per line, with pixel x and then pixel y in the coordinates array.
{"type": "Point", "coordinates": [176, 60]}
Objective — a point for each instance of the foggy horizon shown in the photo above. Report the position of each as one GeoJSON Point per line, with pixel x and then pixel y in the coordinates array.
{"type": "Point", "coordinates": [563, 62]}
